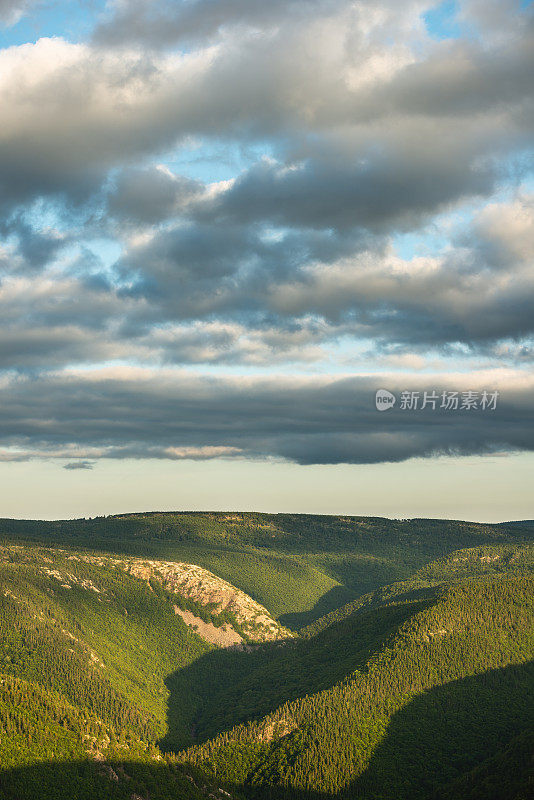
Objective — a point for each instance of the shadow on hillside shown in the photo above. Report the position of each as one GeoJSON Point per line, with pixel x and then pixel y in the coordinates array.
{"type": "Point", "coordinates": [122, 780]}
{"type": "Point", "coordinates": [471, 739]}
{"type": "Point", "coordinates": [334, 598]}
{"type": "Point", "coordinates": [232, 686]}
{"type": "Point", "coordinates": [112, 780]}
{"type": "Point", "coordinates": [467, 740]}
{"type": "Point", "coordinates": [377, 597]}
{"type": "Point", "coordinates": [447, 732]}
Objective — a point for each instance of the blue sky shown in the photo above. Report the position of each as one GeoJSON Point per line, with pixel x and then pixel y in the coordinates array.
{"type": "Point", "coordinates": [224, 226]}
{"type": "Point", "coordinates": [442, 21]}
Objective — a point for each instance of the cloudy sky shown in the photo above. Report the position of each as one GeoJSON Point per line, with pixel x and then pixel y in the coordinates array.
{"type": "Point", "coordinates": [224, 224]}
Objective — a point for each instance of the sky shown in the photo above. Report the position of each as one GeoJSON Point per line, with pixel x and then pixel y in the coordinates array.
{"type": "Point", "coordinates": [226, 224]}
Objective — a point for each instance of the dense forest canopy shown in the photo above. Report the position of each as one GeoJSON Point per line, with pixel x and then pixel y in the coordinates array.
{"type": "Point", "coordinates": [400, 663]}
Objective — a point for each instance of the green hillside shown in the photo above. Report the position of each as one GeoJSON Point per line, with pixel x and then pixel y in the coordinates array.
{"type": "Point", "coordinates": [453, 568]}
{"type": "Point", "coordinates": [84, 654]}
{"type": "Point", "coordinates": [251, 685]}
{"type": "Point", "coordinates": [298, 566]}
{"type": "Point", "coordinates": [452, 684]}
{"type": "Point", "coordinates": [419, 686]}
{"type": "Point", "coordinates": [104, 640]}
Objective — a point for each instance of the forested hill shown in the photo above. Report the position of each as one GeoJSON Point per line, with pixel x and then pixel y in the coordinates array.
{"type": "Point", "coordinates": [439, 687]}
{"type": "Point", "coordinates": [298, 566]}
{"type": "Point", "coordinates": [291, 532]}
{"type": "Point", "coordinates": [145, 673]}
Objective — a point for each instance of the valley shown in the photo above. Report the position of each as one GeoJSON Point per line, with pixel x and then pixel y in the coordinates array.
{"type": "Point", "coordinates": [266, 656]}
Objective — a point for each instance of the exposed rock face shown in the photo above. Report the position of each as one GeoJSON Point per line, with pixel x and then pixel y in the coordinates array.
{"type": "Point", "coordinates": [206, 589]}
{"type": "Point", "coordinates": [225, 636]}
{"type": "Point", "coordinates": [212, 592]}
{"type": "Point", "coordinates": [276, 729]}
{"type": "Point", "coordinates": [183, 580]}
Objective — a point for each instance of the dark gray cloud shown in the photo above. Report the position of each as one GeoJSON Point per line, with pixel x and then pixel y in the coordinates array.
{"type": "Point", "coordinates": [493, 18]}
{"type": "Point", "coordinates": [79, 465]}
{"type": "Point", "coordinates": [36, 249]}
{"type": "Point", "coordinates": [159, 24]}
{"type": "Point", "coordinates": [151, 194]}
{"type": "Point", "coordinates": [382, 192]}
{"type": "Point", "coordinates": [198, 268]}
{"type": "Point", "coordinates": [23, 347]}
{"type": "Point", "coordinates": [479, 290]}
{"type": "Point", "coordinates": [313, 420]}
{"type": "Point", "coordinates": [26, 350]}
{"type": "Point", "coordinates": [218, 293]}
{"type": "Point", "coordinates": [459, 79]}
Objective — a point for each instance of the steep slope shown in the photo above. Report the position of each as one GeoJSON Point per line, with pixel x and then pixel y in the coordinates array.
{"type": "Point", "coordinates": [85, 649]}
{"type": "Point", "coordinates": [453, 568]}
{"type": "Point", "coordinates": [195, 589]}
{"type": "Point", "coordinates": [250, 687]}
{"type": "Point", "coordinates": [104, 632]}
{"type": "Point", "coordinates": [246, 619]}
{"type": "Point", "coordinates": [450, 686]}
{"type": "Point", "coordinates": [104, 640]}
{"type": "Point", "coordinates": [333, 646]}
